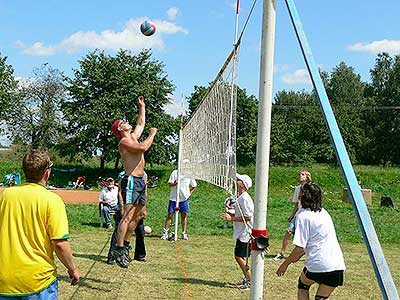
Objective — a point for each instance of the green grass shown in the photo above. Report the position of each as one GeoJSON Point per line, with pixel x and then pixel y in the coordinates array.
{"type": "Point", "coordinates": [202, 268]}
{"type": "Point", "coordinates": [208, 202]}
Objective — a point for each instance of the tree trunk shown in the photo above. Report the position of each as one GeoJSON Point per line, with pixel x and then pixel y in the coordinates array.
{"type": "Point", "coordinates": [102, 161]}
{"type": "Point", "coordinates": [116, 163]}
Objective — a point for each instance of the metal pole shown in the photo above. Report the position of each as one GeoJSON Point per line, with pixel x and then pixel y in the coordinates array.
{"type": "Point", "coordinates": [263, 142]}
{"type": "Point", "coordinates": [178, 186]}
{"type": "Point", "coordinates": [382, 272]}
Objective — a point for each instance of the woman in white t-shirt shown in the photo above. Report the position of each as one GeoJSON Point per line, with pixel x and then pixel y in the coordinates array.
{"type": "Point", "coordinates": [304, 176]}
{"type": "Point", "coordinates": [315, 237]}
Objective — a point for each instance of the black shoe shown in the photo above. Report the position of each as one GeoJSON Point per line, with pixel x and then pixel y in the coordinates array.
{"type": "Point", "coordinates": [140, 258]}
{"type": "Point", "coordinates": [127, 253]}
{"type": "Point", "coordinates": [111, 261]}
{"type": "Point", "coordinates": [120, 258]}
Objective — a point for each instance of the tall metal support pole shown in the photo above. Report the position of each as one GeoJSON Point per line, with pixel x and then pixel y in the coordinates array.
{"type": "Point", "coordinates": [178, 186]}
{"type": "Point", "coordinates": [263, 144]}
{"type": "Point", "coordinates": [382, 272]}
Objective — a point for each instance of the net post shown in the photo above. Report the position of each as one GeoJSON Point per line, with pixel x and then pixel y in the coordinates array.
{"type": "Point", "coordinates": [263, 142]}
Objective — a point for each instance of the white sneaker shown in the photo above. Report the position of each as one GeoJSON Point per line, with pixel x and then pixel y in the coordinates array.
{"type": "Point", "coordinates": [164, 235]}
{"type": "Point", "coordinates": [184, 236]}
{"type": "Point", "coordinates": [245, 286]}
{"type": "Point", "coordinates": [279, 256]}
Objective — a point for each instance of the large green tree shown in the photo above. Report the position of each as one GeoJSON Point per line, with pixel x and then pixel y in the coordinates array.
{"type": "Point", "coordinates": [105, 88]}
{"type": "Point", "coordinates": [385, 91]}
{"type": "Point", "coordinates": [35, 118]}
{"type": "Point", "coordinates": [298, 133]}
{"type": "Point", "coordinates": [346, 92]}
{"type": "Point", "coordinates": [8, 86]}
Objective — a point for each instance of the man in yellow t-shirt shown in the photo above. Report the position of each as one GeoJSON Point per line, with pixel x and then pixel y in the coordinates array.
{"type": "Point", "coordinates": [33, 225]}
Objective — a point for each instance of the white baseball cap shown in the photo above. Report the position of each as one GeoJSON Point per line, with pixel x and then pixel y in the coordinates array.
{"type": "Point", "coordinates": [245, 179]}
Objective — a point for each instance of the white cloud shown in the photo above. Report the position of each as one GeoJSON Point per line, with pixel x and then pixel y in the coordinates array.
{"type": "Point", "coordinates": [19, 44]}
{"type": "Point", "coordinates": [175, 107]}
{"type": "Point", "coordinates": [129, 38]}
{"type": "Point", "coordinates": [299, 76]}
{"type": "Point", "coordinates": [281, 68]}
{"type": "Point", "coordinates": [390, 46]}
{"type": "Point", "coordinates": [233, 4]}
{"type": "Point", "coordinates": [172, 13]}
{"type": "Point", "coordinates": [24, 81]}
{"type": "Point", "coordinates": [39, 49]}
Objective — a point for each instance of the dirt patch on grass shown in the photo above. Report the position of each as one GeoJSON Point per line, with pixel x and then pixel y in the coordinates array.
{"type": "Point", "coordinates": [76, 196]}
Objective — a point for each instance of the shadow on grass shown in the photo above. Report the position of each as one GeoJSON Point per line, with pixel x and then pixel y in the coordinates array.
{"type": "Point", "coordinates": [203, 282]}
{"type": "Point", "coordinates": [91, 224]}
{"type": "Point", "coordinates": [87, 283]}
{"type": "Point", "coordinates": [94, 257]}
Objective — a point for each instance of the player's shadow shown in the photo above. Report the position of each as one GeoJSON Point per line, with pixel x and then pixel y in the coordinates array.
{"type": "Point", "coordinates": [94, 257]}
{"type": "Point", "coordinates": [91, 224]}
{"type": "Point", "coordinates": [202, 282]}
{"type": "Point", "coordinates": [87, 283]}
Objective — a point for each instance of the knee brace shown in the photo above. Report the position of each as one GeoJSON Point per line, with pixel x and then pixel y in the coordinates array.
{"type": "Point", "coordinates": [318, 297]}
{"type": "Point", "coordinates": [302, 286]}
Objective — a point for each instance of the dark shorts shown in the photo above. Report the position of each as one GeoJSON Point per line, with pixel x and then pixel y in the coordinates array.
{"type": "Point", "coordinates": [333, 279]}
{"type": "Point", "coordinates": [183, 207]}
{"type": "Point", "coordinates": [133, 190]}
{"type": "Point", "coordinates": [241, 249]}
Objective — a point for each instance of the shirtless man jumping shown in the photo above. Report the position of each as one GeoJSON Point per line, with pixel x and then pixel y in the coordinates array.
{"type": "Point", "coordinates": [133, 186]}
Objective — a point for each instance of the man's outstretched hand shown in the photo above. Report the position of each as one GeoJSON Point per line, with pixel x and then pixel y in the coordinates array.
{"type": "Point", "coordinates": [153, 131]}
{"type": "Point", "coordinates": [141, 101]}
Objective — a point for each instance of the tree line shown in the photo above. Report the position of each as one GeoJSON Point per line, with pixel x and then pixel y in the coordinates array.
{"type": "Point", "coordinates": [72, 115]}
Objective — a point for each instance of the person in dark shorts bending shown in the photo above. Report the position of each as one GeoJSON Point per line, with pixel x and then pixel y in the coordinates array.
{"type": "Point", "coordinates": [140, 247]}
{"type": "Point", "coordinates": [315, 237]}
{"type": "Point", "coordinates": [133, 186]}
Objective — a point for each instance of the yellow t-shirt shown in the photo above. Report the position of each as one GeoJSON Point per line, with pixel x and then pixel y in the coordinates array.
{"type": "Point", "coordinates": [30, 217]}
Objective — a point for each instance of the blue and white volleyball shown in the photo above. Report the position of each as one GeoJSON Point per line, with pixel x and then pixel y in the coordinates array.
{"type": "Point", "coordinates": [148, 28]}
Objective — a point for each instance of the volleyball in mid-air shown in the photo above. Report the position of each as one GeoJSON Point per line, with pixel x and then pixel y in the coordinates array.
{"type": "Point", "coordinates": [148, 28]}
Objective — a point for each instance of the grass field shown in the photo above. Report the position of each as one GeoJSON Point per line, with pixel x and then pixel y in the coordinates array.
{"type": "Point", "coordinates": [204, 267]}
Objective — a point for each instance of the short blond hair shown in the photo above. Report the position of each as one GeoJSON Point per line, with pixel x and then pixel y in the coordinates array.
{"type": "Point", "coordinates": [35, 163]}
{"type": "Point", "coordinates": [307, 173]}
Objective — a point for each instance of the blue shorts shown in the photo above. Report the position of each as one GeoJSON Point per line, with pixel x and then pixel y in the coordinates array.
{"type": "Point", "coordinates": [133, 190]}
{"type": "Point", "coordinates": [183, 207]}
{"type": "Point", "coordinates": [50, 293]}
{"type": "Point", "coordinates": [292, 225]}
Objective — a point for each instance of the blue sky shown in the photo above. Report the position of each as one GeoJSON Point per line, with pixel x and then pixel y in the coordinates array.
{"type": "Point", "coordinates": [193, 38]}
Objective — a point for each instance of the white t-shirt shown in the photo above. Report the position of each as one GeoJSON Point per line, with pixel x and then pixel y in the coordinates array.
{"type": "Point", "coordinates": [316, 234]}
{"type": "Point", "coordinates": [109, 195]}
{"type": "Point", "coordinates": [296, 195]}
{"type": "Point", "coordinates": [184, 187]}
{"type": "Point", "coordinates": [240, 231]}
{"type": "Point", "coordinates": [296, 199]}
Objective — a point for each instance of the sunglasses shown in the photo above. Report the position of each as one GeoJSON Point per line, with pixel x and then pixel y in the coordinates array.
{"type": "Point", "coordinates": [49, 166]}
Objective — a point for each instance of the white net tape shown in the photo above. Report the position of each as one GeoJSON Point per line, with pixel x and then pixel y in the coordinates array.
{"type": "Point", "coordinates": [209, 137]}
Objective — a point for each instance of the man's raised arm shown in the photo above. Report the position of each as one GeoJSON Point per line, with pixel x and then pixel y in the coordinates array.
{"type": "Point", "coordinates": [141, 120]}
{"type": "Point", "coordinates": [135, 146]}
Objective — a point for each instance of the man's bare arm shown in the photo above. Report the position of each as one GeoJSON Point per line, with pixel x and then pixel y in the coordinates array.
{"type": "Point", "coordinates": [136, 147]}
{"type": "Point", "coordinates": [296, 254]}
{"type": "Point", "coordinates": [141, 120]}
{"type": "Point", "coordinates": [64, 253]}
